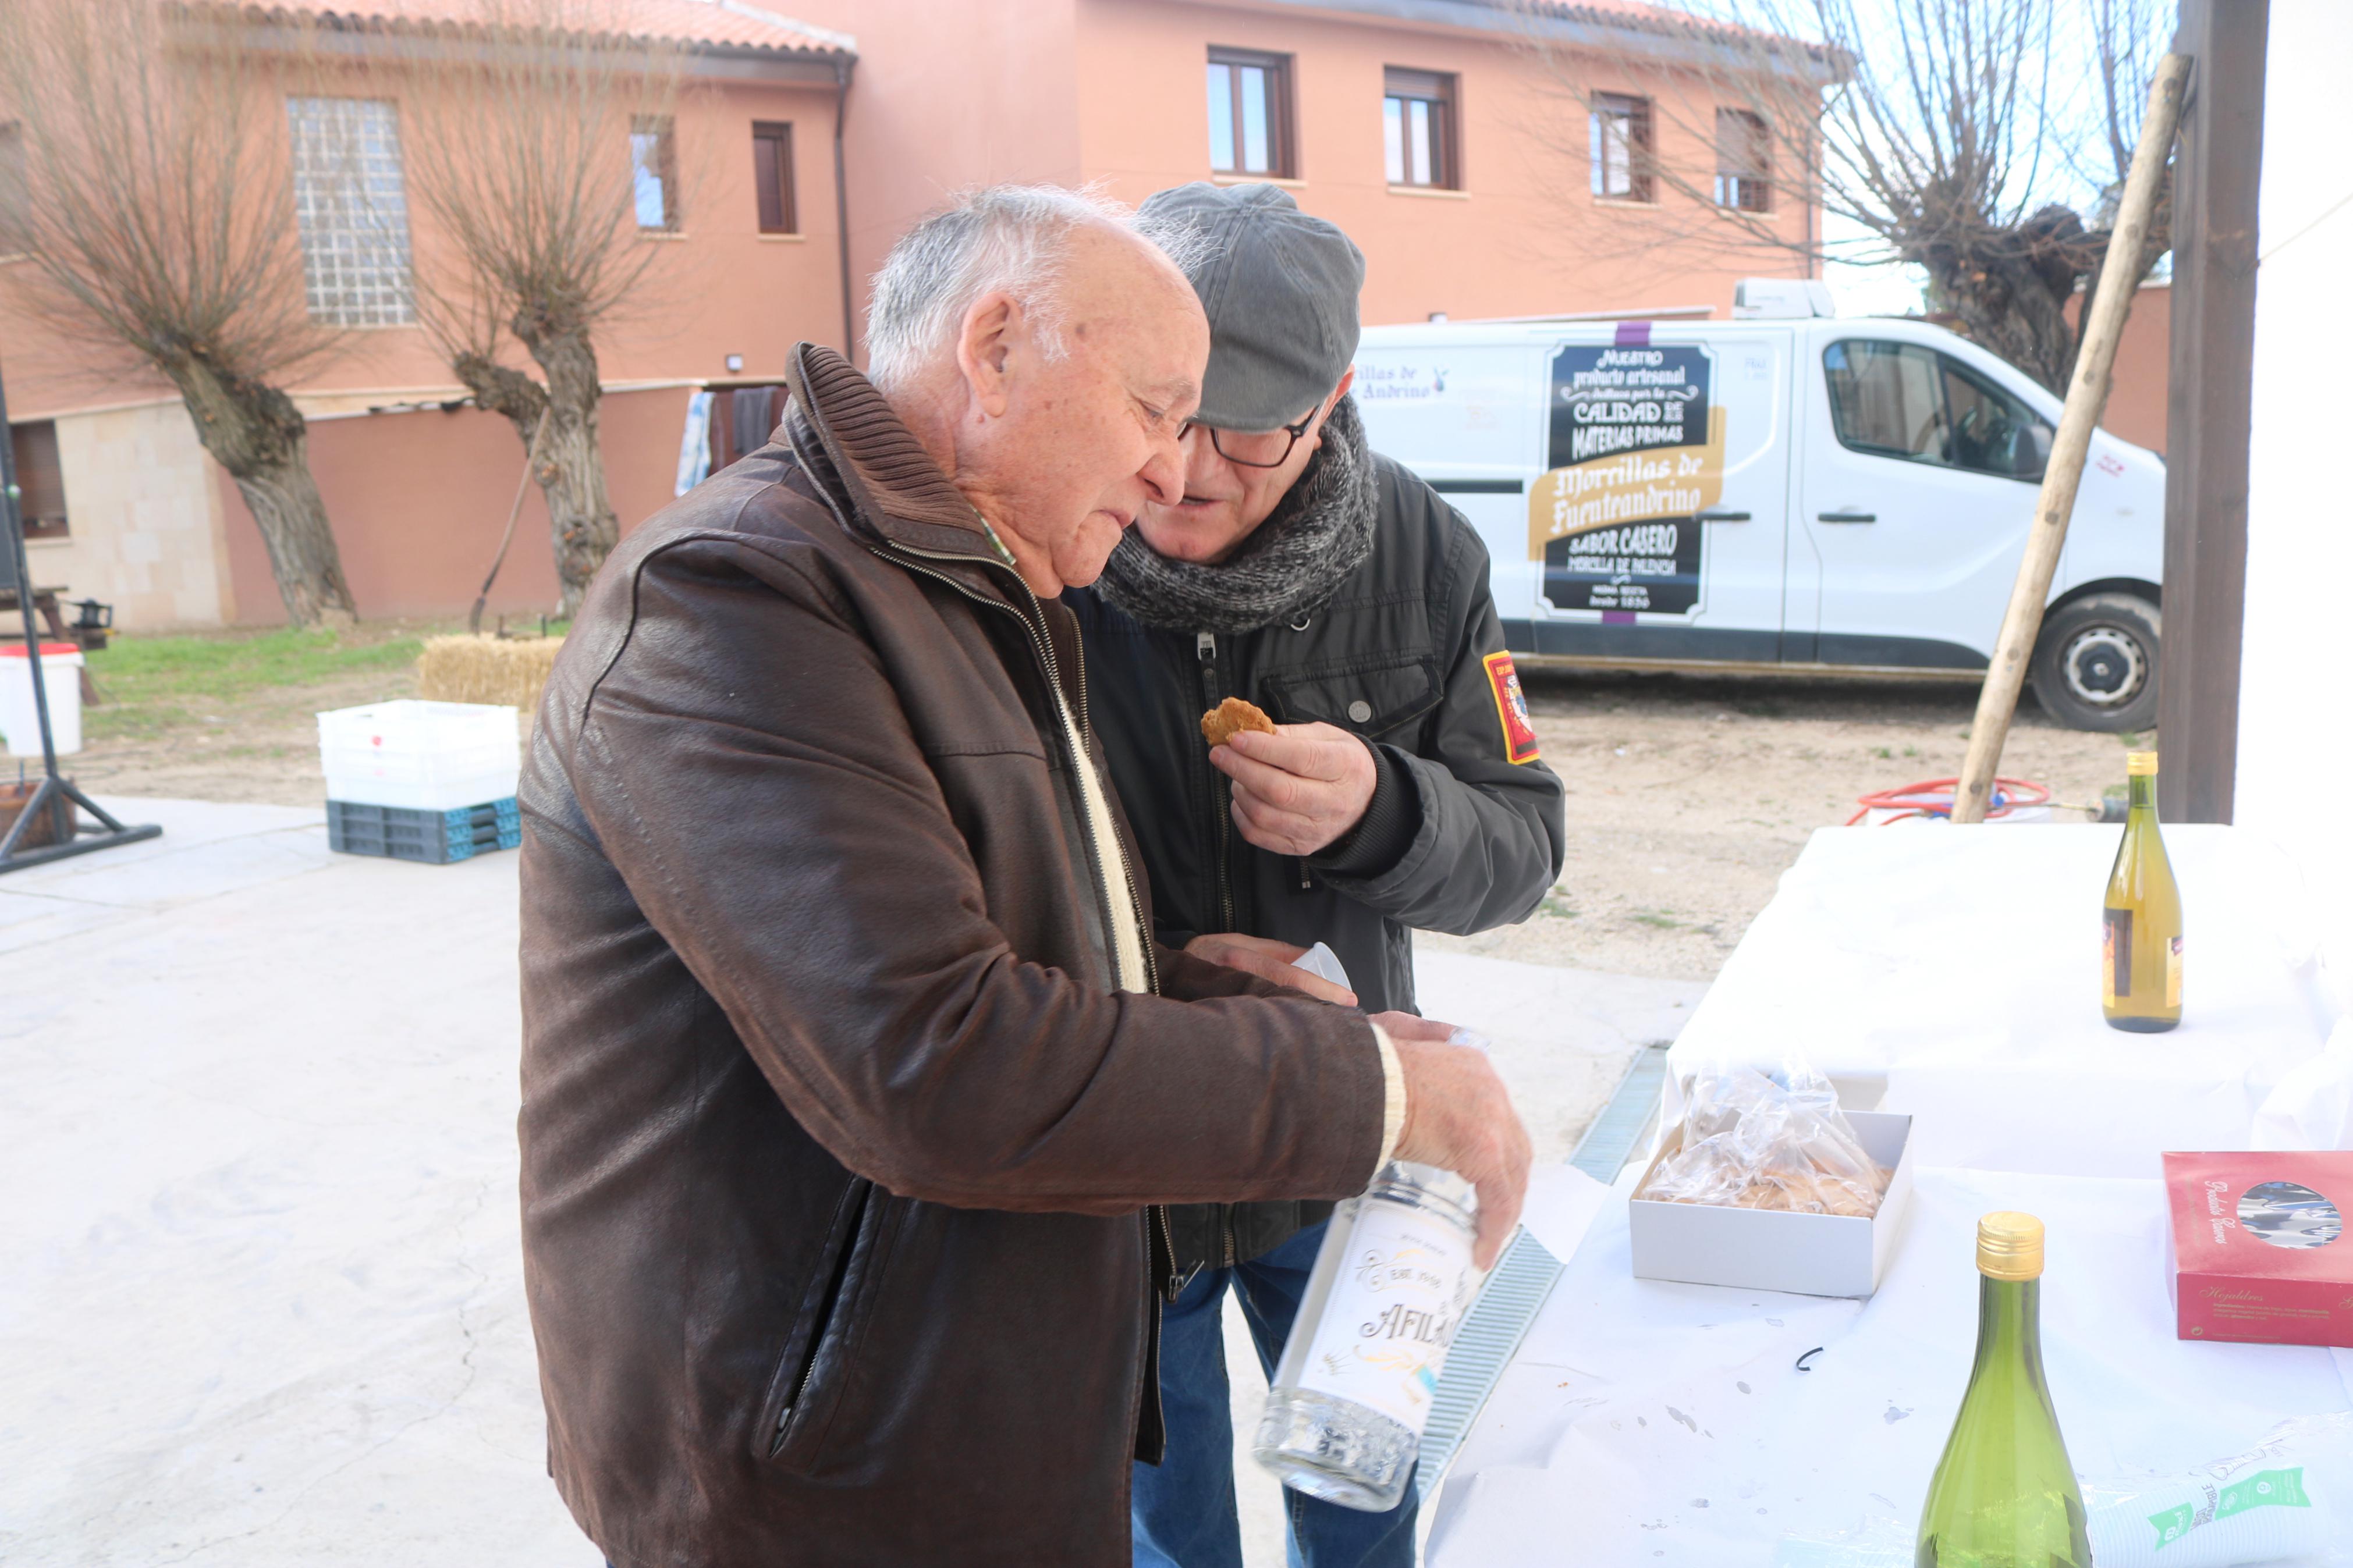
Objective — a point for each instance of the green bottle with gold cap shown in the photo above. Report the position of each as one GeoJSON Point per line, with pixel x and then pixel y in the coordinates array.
{"type": "Point", "coordinates": [2004, 1495]}
{"type": "Point", "coordinates": [2141, 952]}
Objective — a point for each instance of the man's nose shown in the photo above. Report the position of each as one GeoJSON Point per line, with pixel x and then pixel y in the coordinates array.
{"type": "Point", "coordinates": [1163, 470]}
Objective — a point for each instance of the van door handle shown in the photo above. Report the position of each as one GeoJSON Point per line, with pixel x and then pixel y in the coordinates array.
{"type": "Point", "coordinates": [1846, 517]}
{"type": "Point", "coordinates": [1717, 514]}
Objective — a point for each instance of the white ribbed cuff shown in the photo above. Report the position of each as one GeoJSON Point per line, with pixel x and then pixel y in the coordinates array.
{"type": "Point", "coordinates": [1392, 1095]}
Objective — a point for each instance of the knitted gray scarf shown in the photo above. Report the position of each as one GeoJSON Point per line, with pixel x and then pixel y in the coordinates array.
{"type": "Point", "coordinates": [1289, 566]}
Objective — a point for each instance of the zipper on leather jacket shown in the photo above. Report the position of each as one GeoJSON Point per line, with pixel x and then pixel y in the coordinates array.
{"type": "Point", "coordinates": [828, 1311]}
{"type": "Point", "coordinates": [1213, 691]}
{"type": "Point", "coordinates": [1076, 747]}
{"type": "Point", "coordinates": [1165, 1236]}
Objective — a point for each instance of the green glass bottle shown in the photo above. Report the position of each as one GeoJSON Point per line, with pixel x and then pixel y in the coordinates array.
{"type": "Point", "coordinates": [2141, 952]}
{"type": "Point", "coordinates": [2004, 1495]}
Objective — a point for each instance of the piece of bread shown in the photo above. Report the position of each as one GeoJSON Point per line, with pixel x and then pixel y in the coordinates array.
{"type": "Point", "coordinates": [1230, 717]}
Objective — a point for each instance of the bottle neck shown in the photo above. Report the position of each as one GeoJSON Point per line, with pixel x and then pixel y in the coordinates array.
{"type": "Point", "coordinates": [2143, 801]}
{"type": "Point", "coordinates": [1427, 1188]}
{"type": "Point", "coordinates": [2009, 1324]}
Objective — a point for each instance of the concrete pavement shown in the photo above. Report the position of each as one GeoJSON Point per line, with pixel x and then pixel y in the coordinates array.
{"type": "Point", "coordinates": [260, 1296]}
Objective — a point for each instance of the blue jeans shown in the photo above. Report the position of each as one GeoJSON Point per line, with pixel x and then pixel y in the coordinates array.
{"type": "Point", "coordinates": [1184, 1507]}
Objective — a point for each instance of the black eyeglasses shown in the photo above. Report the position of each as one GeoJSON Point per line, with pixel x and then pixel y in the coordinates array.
{"type": "Point", "coordinates": [1254, 449]}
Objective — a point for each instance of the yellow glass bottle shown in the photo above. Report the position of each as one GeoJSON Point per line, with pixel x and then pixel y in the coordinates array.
{"type": "Point", "coordinates": [2140, 954]}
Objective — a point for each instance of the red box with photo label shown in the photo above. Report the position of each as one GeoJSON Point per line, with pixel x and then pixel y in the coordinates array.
{"type": "Point", "coordinates": [2257, 1248]}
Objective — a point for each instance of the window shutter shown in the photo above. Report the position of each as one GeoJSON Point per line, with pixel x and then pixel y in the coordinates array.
{"type": "Point", "coordinates": [39, 478]}
{"type": "Point", "coordinates": [772, 174]}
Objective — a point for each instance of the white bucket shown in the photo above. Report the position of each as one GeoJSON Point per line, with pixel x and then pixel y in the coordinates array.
{"type": "Point", "coordinates": [61, 676]}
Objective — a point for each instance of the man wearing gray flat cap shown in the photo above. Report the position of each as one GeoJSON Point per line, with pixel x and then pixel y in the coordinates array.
{"type": "Point", "coordinates": [1401, 788]}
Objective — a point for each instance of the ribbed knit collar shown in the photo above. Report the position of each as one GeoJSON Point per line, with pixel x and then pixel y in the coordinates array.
{"type": "Point", "coordinates": [885, 476]}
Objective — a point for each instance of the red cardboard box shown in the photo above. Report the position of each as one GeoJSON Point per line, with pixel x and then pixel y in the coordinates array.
{"type": "Point", "coordinates": [2257, 1249]}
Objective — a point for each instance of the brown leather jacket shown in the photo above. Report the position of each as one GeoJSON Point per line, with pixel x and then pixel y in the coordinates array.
{"type": "Point", "coordinates": [836, 1141]}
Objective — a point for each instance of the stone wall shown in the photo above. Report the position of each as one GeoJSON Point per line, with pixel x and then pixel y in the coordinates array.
{"type": "Point", "coordinates": [145, 521]}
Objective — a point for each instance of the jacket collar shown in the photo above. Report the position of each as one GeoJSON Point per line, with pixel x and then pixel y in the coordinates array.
{"type": "Point", "coordinates": [887, 480]}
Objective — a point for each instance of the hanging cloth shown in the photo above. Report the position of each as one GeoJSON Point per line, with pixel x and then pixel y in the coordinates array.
{"type": "Point", "coordinates": [756, 417]}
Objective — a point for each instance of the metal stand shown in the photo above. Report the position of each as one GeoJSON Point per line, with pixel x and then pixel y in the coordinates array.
{"type": "Point", "coordinates": [56, 795]}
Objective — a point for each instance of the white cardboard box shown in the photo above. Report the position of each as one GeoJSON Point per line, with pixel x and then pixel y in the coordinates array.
{"type": "Point", "coordinates": [1757, 1249]}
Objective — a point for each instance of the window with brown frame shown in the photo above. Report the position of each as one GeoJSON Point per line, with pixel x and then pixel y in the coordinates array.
{"type": "Point", "coordinates": [40, 482]}
{"type": "Point", "coordinates": [1744, 162]}
{"type": "Point", "coordinates": [772, 172]}
{"type": "Point", "coordinates": [1418, 135]}
{"type": "Point", "coordinates": [653, 173]}
{"type": "Point", "coordinates": [1621, 147]}
{"type": "Point", "coordinates": [1250, 115]}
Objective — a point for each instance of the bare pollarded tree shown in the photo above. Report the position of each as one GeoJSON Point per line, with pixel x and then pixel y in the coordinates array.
{"type": "Point", "coordinates": [150, 191]}
{"type": "Point", "coordinates": [1984, 141]}
{"type": "Point", "coordinates": [545, 154]}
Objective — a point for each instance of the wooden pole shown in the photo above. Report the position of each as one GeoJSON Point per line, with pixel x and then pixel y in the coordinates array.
{"type": "Point", "coordinates": [2210, 385]}
{"type": "Point", "coordinates": [530, 461]}
{"type": "Point", "coordinates": [2087, 398]}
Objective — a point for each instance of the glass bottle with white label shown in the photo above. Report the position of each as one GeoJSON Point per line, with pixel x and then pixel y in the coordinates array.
{"type": "Point", "coordinates": [1345, 1415]}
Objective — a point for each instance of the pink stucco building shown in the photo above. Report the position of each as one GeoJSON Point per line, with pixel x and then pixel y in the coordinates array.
{"type": "Point", "coordinates": [1474, 183]}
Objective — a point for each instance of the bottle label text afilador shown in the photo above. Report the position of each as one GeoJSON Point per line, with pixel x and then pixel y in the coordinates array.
{"type": "Point", "coordinates": [1383, 1337]}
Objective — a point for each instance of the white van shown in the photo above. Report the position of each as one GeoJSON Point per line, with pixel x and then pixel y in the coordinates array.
{"type": "Point", "coordinates": [1818, 495]}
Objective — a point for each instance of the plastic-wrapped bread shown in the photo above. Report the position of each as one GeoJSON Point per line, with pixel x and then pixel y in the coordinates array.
{"type": "Point", "coordinates": [1780, 1142]}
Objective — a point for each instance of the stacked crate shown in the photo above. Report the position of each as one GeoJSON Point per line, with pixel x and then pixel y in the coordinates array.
{"type": "Point", "coordinates": [433, 782]}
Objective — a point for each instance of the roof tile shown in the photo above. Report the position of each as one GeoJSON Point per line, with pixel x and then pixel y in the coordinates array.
{"type": "Point", "coordinates": [729, 24]}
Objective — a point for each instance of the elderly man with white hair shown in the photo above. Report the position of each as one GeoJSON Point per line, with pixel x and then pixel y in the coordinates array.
{"type": "Point", "coordinates": [854, 1084]}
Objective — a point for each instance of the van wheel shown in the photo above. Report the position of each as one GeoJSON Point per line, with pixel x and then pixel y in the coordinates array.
{"type": "Point", "coordinates": [2096, 665]}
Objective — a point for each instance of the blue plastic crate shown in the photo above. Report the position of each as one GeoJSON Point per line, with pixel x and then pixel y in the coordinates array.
{"type": "Point", "coordinates": [433, 837]}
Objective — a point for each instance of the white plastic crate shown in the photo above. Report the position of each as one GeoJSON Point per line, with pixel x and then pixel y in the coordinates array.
{"type": "Point", "coordinates": [429, 755]}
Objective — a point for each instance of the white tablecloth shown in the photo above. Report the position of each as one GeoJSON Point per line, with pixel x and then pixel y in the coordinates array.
{"type": "Point", "coordinates": [1644, 1422]}
{"type": "Point", "coordinates": [1954, 972]}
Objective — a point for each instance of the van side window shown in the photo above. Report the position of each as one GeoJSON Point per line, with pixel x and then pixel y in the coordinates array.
{"type": "Point", "coordinates": [1884, 399]}
{"type": "Point", "coordinates": [1902, 400]}
{"type": "Point", "coordinates": [1993, 433]}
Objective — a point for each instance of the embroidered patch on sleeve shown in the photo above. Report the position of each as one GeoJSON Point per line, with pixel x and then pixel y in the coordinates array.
{"type": "Point", "coordinates": [1511, 708]}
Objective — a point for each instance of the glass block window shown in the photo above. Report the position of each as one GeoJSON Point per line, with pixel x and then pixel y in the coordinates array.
{"type": "Point", "coordinates": [350, 211]}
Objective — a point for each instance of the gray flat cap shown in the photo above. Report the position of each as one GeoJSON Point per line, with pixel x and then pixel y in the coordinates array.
{"type": "Point", "coordinates": [1280, 289]}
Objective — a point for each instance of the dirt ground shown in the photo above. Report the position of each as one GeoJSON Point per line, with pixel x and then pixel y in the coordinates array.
{"type": "Point", "coordinates": [1688, 796]}
{"type": "Point", "coordinates": [262, 748]}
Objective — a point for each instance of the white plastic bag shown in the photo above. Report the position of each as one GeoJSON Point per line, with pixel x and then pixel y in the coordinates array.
{"type": "Point", "coordinates": [2285, 1503]}
{"type": "Point", "coordinates": [2289, 1500]}
{"type": "Point", "coordinates": [1778, 1142]}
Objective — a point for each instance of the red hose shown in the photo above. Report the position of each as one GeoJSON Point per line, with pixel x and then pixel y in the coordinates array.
{"type": "Point", "coordinates": [1934, 797]}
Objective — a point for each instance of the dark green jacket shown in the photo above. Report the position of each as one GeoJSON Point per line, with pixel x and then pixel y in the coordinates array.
{"type": "Point", "coordinates": [1457, 839]}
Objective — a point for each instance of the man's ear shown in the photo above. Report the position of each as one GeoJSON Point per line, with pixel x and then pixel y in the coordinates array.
{"type": "Point", "coordinates": [986, 345]}
{"type": "Point", "coordinates": [1347, 381]}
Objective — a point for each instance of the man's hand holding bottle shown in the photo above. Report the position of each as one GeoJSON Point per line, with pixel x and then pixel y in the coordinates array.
{"type": "Point", "coordinates": [1459, 1118]}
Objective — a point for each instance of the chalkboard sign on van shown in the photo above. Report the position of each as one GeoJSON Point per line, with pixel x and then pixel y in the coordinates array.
{"type": "Point", "coordinates": [1635, 448]}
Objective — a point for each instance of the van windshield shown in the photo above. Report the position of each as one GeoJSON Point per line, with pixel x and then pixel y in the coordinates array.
{"type": "Point", "coordinates": [1902, 400]}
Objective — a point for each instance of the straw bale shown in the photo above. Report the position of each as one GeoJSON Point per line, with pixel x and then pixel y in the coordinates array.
{"type": "Point", "coordinates": [486, 669]}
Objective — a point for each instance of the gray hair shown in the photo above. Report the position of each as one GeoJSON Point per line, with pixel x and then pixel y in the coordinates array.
{"type": "Point", "coordinates": [1009, 237]}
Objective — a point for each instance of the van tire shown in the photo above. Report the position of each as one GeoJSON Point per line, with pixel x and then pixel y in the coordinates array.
{"type": "Point", "coordinates": [2095, 666]}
